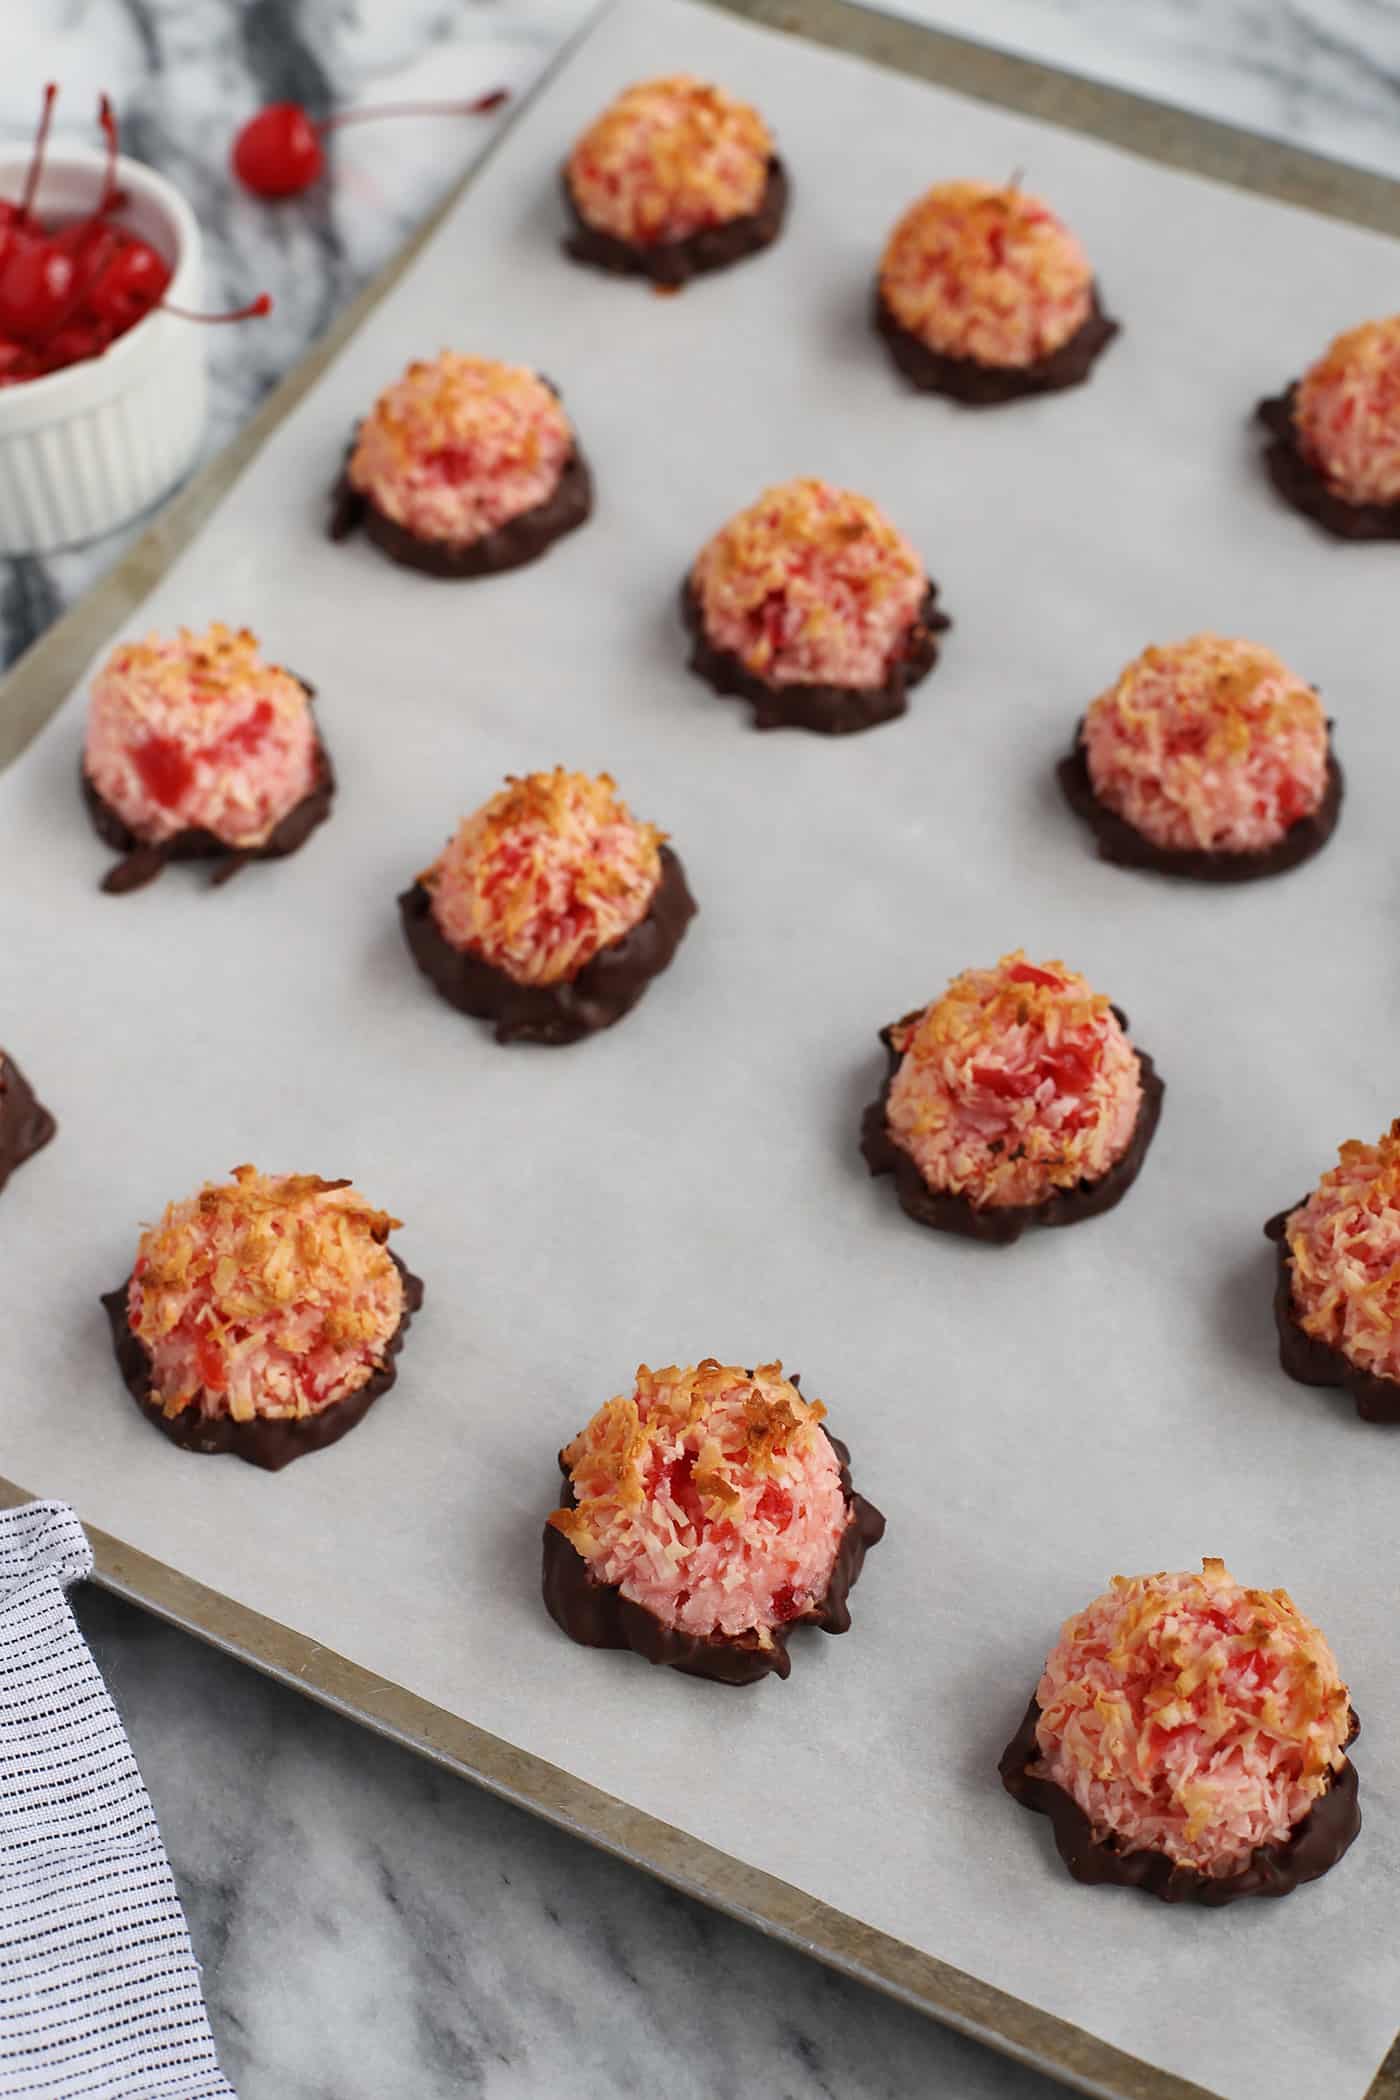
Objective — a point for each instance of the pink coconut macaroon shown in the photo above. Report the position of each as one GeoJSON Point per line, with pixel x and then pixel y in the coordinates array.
{"type": "Point", "coordinates": [985, 295]}
{"type": "Point", "coordinates": [197, 747]}
{"type": "Point", "coordinates": [1338, 1298]}
{"type": "Point", "coordinates": [674, 177]}
{"type": "Point", "coordinates": [1188, 1736]}
{"type": "Point", "coordinates": [463, 467]}
{"type": "Point", "coordinates": [1336, 450]}
{"type": "Point", "coordinates": [262, 1315]}
{"type": "Point", "coordinates": [550, 909]}
{"type": "Point", "coordinates": [1208, 758]}
{"type": "Point", "coordinates": [1014, 1099]}
{"type": "Point", "coordinates": [813, 606]}
{"type": "Point", "coordinates": [709, 1513]}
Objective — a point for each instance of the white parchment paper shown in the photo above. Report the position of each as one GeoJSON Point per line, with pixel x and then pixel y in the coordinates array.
{"type": "Point", "coordinates": [1032, 1420]}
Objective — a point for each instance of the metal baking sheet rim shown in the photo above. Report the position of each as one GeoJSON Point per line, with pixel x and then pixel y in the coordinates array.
{"type": "Point", "coordinates": [40, 682]}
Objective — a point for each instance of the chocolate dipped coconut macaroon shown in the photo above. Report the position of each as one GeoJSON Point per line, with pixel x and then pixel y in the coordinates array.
{"type": "Point", "coordinates": [1337, 1299]}
{"type": "Point", "coordinates": [674, 178]}
{"type": "Point", "coordinates": [550, 910]}
{"type": "Point", "coordinates": [815, 609]}
{"type": "Point", "coordinates": [1335, 454]}
{"type": "Point", "coordinates": [1015, 1099]}
{"type": "Point", "coordinates": [197, 748]}
{"type": "Point", "coordinates": [708, 1514]}
{"type": "Point", "coordinates": [262, 1316]}
{"type": "Point", "coordinates": [25, 1124]}
{"type": "Point", "coordinates": [1208, 759]}
{"type": "Point", "coordinates": [985, 296]}
{"type": "Point", "coordinates": [1188, 1738]}
{"type": "Point", "coordinates": [463, 467]}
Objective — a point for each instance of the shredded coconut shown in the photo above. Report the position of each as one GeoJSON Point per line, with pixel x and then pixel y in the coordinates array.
{"type": "Point", "coordinates": [988, 274]}
{"type": "Point", "coordinates": [668, 158]}
{"type": "Point", "coordinates": [198, 733]}
{"type": "Point", "coordinates": [1189, 1716]}
{"type": "Point", "coordinates": [811, 585]}
{"type": "Point", "coordinates": [1347, 413]}
{"type": "Point", "coordinates": [460, 445]}
{"type": "Point", "coordinates": [1208, 744]}
{"type": "Point", "coordinates": [1345, 1244]}
{"type": "Point", "coordinates": [551, 869]}
{"type": "Point", "coordinates": [270, 1295]}
{"type": "Point", "coordinates": [710, 1496]}
{"type": "Point", "coordinates": [1017, 1082]}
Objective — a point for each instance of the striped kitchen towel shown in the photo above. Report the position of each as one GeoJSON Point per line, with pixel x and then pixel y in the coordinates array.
{"type": "Point", "coordinates": [99, 1992]}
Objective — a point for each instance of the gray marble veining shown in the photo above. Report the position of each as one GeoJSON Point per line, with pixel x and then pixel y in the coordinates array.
{"type": "Point", "coordinates": [372, 1929]}
{"type": "Point", "coordinates": [369, 1927]}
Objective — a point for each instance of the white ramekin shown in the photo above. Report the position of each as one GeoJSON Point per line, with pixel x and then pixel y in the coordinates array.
{"type": "Point", "coordinates": [90, 447]}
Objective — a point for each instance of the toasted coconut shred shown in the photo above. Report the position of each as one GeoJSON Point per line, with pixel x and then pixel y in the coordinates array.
{"type": "Point", "coordinates": [1345, 1244]}
{"type": "Point", "coordinates": [460, 445]}
{"type": "Point", "coordinates": [270, 1295]}
{"type": "Point", "coordinates": [196, 732]}
{"type": "Point", "coordinates": [1189, 1716]}
{"type": "Point", "coordinates": [988, 274]}
{"type": "Point", "coordinates": [1347, 413]}
{"type": "Point", "coordinates": [668, 158]}
{"type": "Point", "coordinates": [711, 1496]}
{"type": "Point", "coordinates": [553, 868]}
{"type": "Point", "coordinates": [1018, 1081]}
{"type": "Point", "coordinates": [811, 585]}
{"type": "Point", "coordinates": [1209, 744]}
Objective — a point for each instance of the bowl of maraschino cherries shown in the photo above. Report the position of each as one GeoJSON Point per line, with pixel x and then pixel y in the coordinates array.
{"type": "Point", "coordinates": [102, 377]}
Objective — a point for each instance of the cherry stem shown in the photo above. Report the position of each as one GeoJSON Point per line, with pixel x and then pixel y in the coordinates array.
{"type": "Point", "coordinates": [41, 139]}
{"type": "Point", "coordinates": [108, 122]}
{"type": "Point", "coordinates": [253, 311]}
{"type": "Point", "coordinates": [477, 108]}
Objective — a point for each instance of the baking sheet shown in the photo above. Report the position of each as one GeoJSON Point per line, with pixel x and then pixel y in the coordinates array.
{"type": "Point", "coordinates": [1030, 1420]}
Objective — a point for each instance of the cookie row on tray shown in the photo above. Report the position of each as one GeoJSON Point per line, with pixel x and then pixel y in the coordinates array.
{"type": "Point", "coordinates": [1188, 1735]}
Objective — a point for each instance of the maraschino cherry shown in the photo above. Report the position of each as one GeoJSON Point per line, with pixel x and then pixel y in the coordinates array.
{"type": "Point", "coordinates": [66, 293]}
{"type": "Point", "coordinates": [278, 153]}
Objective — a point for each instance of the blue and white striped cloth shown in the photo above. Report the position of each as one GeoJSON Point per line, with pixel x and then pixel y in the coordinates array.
{"type": "Point", "coordinates": [99, 1991]}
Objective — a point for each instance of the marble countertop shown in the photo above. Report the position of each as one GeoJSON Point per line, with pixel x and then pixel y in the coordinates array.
{"type": "Point", "coordinates": [369, 1926]}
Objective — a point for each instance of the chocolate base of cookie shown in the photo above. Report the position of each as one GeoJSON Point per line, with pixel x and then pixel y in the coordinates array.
{"type": "Point", "coordinates": [671, 264]}
{"type": "Point", "coordinates": [142, 861]}
{"type": "Point", "coordinates": [269, 1442]}
{"type": "Point", "coordinates": [1300, 483]}
{"type": "Point", "coordinates": [977, 385]}
{"type": "Point", "coordinates": [1000, 1224]}
{"type": "Point", "coordinates": [597, 1615]}
{"type": "Point", "coordinates": [607, 987]}
{"type": "Point", "coordinates": [25, 1124]}
{"type": "Point", "coordinates": [1313, 1362]}
{"type": "Point", "coordinates": [521, 539]}
{"type": "Point", "coordinates": [1316, 1843]}
{"type": "Point", "coordinates": [830, 710]}
{"type": "Point", "coordinates": [1121, 842]}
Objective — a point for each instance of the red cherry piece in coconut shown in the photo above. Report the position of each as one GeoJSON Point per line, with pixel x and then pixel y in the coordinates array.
{"type": "Point", "coordinates": [278, 153]}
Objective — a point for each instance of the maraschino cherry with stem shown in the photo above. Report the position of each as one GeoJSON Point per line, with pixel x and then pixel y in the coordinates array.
{"type": "Point", "coordinates": [67, 292]}
{"type": "Point", "coordinates": [278, 152]}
